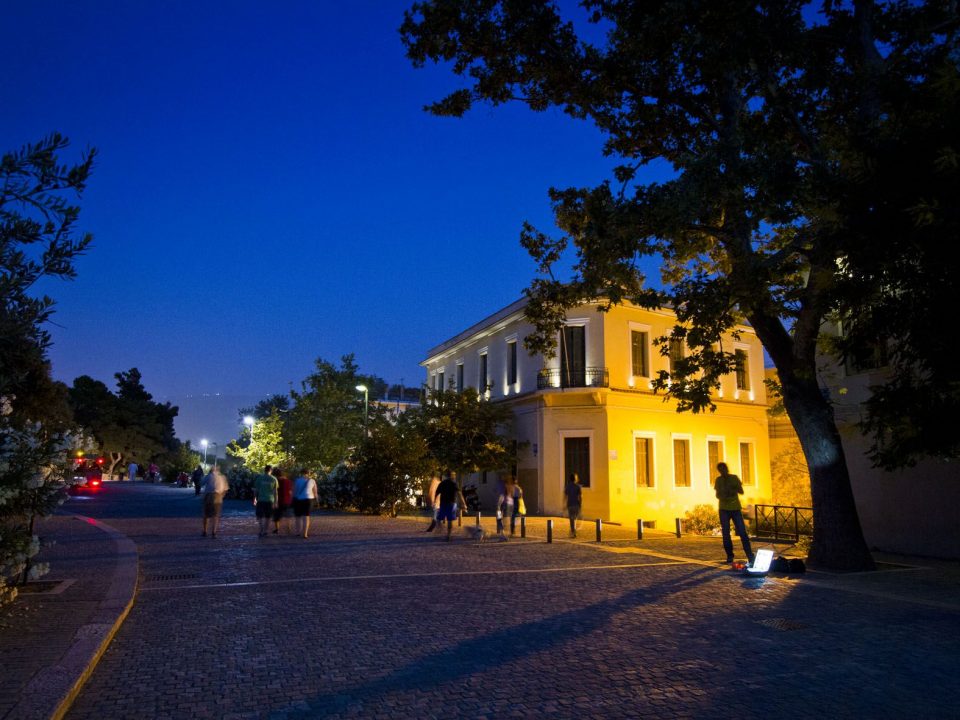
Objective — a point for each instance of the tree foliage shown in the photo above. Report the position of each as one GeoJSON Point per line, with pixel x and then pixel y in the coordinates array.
{"type": "Point", "coordinates": [266, 445]}
{"type": "Point", "coordinates": [465, 434]}
{"type": "Point", "coordinates": [815, 172]}
{"type": "Point", "coordinates": [327, 420]}
{"type": "Point", "coordinates": [127, 425]}
{"type": "Point", "coordinates": [389, 463]}
{"type": "Point", "coordinates": [37, 241]}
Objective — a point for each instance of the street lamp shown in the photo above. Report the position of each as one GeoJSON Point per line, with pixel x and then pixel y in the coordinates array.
{"type": "Point", "coordinates": [366, 404]}
{"type": "Point", "coordinates": [203, 444]}
{"type": "Point", "coordinates": [248, 421]}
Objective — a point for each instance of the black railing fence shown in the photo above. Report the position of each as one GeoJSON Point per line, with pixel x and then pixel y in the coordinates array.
{"type": "Point", "coordinates": [782, 521]}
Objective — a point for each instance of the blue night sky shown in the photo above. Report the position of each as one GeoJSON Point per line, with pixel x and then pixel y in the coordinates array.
{"type": "Point", "coordinates": [270, 191]}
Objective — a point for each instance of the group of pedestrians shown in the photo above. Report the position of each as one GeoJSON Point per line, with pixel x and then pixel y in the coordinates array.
{"type": "Point", "coordinates": [446, 500]}
{"type": "Point", "coordinates": [274, 496]}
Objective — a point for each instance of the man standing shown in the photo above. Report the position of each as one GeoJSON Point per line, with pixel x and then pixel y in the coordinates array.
{"type": "Point", "coordinates": [265, 497]}
{"type": "Point", "coordinates": [574, 494]}
{"type": "Point", "coordinates": [197, 479]}
{"type": "Point", "coordinates": [728, 488]}
{"type": "Point", "coordinates": [215, 486]}
{"type": "Point", "coordinates": [132, 471]}
{"type": "Point", "coordinates": [448, 493]}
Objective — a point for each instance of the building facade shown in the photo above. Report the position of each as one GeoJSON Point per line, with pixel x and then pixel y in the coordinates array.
{"type": "Point", "coordinates": [591, 410]}
{"type": "Point", "coordinates": [913, 510]}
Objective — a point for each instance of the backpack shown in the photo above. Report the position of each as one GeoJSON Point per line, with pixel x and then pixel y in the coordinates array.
{"type": "Point", "coordinates": [797, 566]}
{"type": "Point", "coordinates": [780, 565]}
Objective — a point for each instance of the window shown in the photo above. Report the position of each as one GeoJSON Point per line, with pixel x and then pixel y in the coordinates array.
{"type": "Point", "coordinates": [676, 353]}
{"type": "Point", "coordinates": [746, 463]}
{"type": "Point", "coordinates": [743, 370]}
{"type": "Point", "coordinates": [440, 385]}
{"type": "Point", "coordinates": [459, 377]}
{"type": "Point", "coordinates": [573, 356]}
{"type": "Point", "coordinates": [714, 457]}
{"type": "Point", "coordinates": [643, 456]}
{"type": "Point", "coordinates": [681, 462]}
{"type": "Point", "coordinates": [511, 362]}
{"type": "Point", "coordinates": [576, 459]}
{"type": "Point", "coordinates": [638, 350]}
{"type": "Point", "coordinates": [482, 378]}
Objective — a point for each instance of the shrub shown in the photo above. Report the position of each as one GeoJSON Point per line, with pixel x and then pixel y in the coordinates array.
{"type": "Point", "coordinates": [337, 489]}
{"type": "Point", "coordinates": [702, 520]}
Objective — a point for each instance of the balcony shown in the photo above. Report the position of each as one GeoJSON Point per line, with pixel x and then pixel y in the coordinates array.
{"type": "Point", "coordinates": [575, 378]}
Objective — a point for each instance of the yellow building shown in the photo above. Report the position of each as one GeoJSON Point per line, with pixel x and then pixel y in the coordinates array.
{"type": "Point", "coordinates": [590, 410]}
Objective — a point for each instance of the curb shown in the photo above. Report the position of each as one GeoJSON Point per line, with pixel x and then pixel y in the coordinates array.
{"type": "Point", "coordinates": [52, 691]}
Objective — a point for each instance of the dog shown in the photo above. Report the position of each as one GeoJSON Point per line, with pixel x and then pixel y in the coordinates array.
{"type": "Point", "coordinates": [476, 533]}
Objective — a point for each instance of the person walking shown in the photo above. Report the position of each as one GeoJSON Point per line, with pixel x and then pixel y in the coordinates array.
{"type": "Point", "coordinates": [501, 510]}
{"type": "Point", "coordinates": [728, 490]}
{"type": "Point", "coordinates": [284, 499]}
{"type": "Point", "coordinates": [574, 498]}
{"type": "Point", "coordinates": [448, 493]}
{"type": "Point", "coordinates": [514, 498]}
{"type": "Point", "coordinates": [304, 495]}
{"type": "Point", "coordinates": [132, 471]}
{"type": "Point", "coordinates": [265, 497]}
{"type": "Point", "coordinates": [433, 503]}
{"type": "Point", "coordinates": [215, 486]}
{"type": "Point", "coordinates": [197, 478]}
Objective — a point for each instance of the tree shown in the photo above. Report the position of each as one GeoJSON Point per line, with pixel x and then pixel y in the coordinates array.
{"type": "Point", "coordinates": [814, 157]}
{"type": "Point", "coordinates": [266, 446]}
{"type": "Point", "coordinates": [37, 241]}
{"type": "Point", "coordinates": [127, 425]}
{"type": "Point", "coordinates": [327, 420]}
{"type": "Point", "coordinates": [266, 407]}
{"type": "Point", "coordinates": [465, 434]}
{"type": "Point", "coordinates": [389, 462]}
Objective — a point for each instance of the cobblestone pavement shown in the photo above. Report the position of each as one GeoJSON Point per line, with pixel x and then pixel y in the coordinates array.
{"type": "Point", "coordinates": [374, 618]}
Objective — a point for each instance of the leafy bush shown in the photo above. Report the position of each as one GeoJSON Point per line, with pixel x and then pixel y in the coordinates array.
{"type": "Point", "coordinates": [240, 480]}
{"type": "Point", "coordinates": [338, 488]}
{"type": "Point", "coordinates": [702, 520]}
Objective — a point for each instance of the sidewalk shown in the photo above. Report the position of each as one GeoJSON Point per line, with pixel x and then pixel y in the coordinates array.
{"type": "Point", "coordinates": [52, 640]}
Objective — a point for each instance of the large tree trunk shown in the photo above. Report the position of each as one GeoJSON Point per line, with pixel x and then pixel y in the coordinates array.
{"type": "Point", "coordinates": [838, 541]}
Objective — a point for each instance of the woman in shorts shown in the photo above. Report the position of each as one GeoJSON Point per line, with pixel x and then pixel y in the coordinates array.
{"type": "Point", "coordinates": [284, 499]}
{"type": "Point", "coordinates": [304, 495]}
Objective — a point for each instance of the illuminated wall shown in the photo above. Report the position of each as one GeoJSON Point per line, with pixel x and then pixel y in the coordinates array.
{"type": "Point", "coordinates": [601, 423]}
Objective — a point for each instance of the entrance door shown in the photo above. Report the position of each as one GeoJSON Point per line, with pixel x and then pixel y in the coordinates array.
{"type": "Point", "coordinates": [576, 459]}
{"type": "Point", "coordinates": [573, 357]}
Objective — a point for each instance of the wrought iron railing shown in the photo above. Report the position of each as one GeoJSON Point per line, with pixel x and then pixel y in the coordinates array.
{"type": "Point", "coordinates": [579, 377]}
{"type": "Point", "coordinates": [782, 521]}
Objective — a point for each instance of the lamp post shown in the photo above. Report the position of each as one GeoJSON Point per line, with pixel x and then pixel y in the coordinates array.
{"type": "Point", "coordinates": [366, 395]}
{"type": "Point", "coordinates": [216, 448]}
{"type": "Point", "coordinates": [248, 421]}
{"type": "Point", "coordinates": [203, 444]}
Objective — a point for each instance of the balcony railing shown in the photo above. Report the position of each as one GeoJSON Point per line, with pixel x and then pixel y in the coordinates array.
{"type": "Point", "coordinates": [582, 377]}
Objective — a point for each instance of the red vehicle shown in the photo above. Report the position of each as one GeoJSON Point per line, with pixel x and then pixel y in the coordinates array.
{"type": "Point", "coordinates": [87, 475]}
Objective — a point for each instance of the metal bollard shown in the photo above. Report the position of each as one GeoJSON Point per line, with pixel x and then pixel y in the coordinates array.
{"type": "Point", "coordinates": [639, 529]}
{"type": "Point", "coordinates": [523, 526]}
{"type": "Point", "coordinates": [549, 531]}
{"type": "Point", "coordinates": [478, 518]}
{"type": "Point", "coordinates": [599, 530]}
{"type": "Point", "coordinates": [678, 523]}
